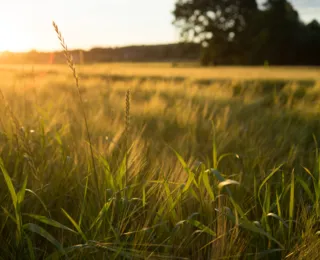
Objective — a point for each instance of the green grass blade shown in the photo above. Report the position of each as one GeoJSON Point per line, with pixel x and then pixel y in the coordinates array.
{"type": "Point", "coordinates": [84, 201]}
{"type": "Point", "coordinates": [21, 193]}
{"type": "Point", "coordinates": [221, 157]}
{"type": "Point", "coordinates": [291, 204]}
{"type": "Point", "coordinates": [278, 218]}
{"type": "Point", "coordinates": [221, 179]}
{"type": "Point", "coordinates": [246, 224]}
{"type": "Point", "coordinates": [109, 177]}
{"type": "Point", "coordinates": [214, 147]}
{"type": "Point", "coordinates": [273, 172]}
{"type": "Point", "coordinates": [308, 171]}
{"type": "Point", "coordinates": [9, 184]}
{"type": "Point", "coordinates": [120, 178]}
{"type": "Point", "coordinates": [278, 204]}
{"type": "Point", "coordinates": [144, 195]}
{"type": "Point", "coordinates": [202, 227]}
{"type": "Point", "coordinates": [45, 234]}
{"type": "Point", "coordinates": [4, 223]}
{"type": "Point", "coordinates": [266, 200]}
{"type": "Point", "coordinates": [101, 214]}
{"type": "Point", "coordinates": [253, 228]}
{"type": "Point", "coordinates": [306, 188]}
{"type": "Point", "coordinates": [50, 222]}
{"type": "Point", "coordinates": [191, 178]}
{"type": "Point", "coordinates": [14, 198]}
{"type": "Point", "coordinates": [206, 182]}
{"type": "Point", "coordinates": [170, 201]}
{"type": "Point", "coordinates": [67, 250]}
{"type": "Point", "coordinates": [77, 227]}
{"type": "Point", "coordinates": [40, 200]}
{"type": "Point", "coordinates": [7, 213]}
{"type": "Point", "coordinates": [30, 248]}
{"type": "Point", "coordinates": [217, 174]}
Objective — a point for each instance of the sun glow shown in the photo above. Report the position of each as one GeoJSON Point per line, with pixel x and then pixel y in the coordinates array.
{"type": "Point", "coordinates": [14, 38]}
{"type": "Point", "coordinates": [12, 47]}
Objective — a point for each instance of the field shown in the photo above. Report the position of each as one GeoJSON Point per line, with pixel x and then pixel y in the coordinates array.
{"type": "Point", "coordinates": [154, 161]}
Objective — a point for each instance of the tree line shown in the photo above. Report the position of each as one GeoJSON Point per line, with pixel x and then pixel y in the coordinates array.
{"type": "Point", "coordinates": [239, 32]}
{"type": "Point", "coordinates": [176, 52]}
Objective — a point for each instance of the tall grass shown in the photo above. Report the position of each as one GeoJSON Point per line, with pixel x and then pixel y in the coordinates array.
{"type": "Point", "coordinates": [76, 78]}
{"type": "Point", "coordinates": [127, 132]}
{"type": "Point", "coordinates": [227, 170]}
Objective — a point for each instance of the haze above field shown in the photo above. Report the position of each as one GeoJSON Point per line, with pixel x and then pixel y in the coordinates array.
{"type": "Point", "coordinates": [27, 25]}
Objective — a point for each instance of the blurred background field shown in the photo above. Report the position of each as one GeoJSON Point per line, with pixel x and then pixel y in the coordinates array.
{"type": "Point", "coordinates": [187, 70]}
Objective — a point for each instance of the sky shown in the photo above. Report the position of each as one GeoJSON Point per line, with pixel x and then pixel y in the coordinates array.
{"type": "Point", "coordinates": [26, 25]}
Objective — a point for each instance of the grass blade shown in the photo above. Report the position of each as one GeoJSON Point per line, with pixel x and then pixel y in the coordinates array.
{"type": "Point", "coordinates": [306, 188]}
{"type": "Point", "coordinates": [21, 193]}
{"type": "Point", "coordinates": [14, 198]}
{"type": "Point", "coordinates": [9, 184]}
{"type": "Point", "coordinates": [202, 227]}
{"type": "Point", "coordinates": [50, 222]}
{"type": "Point", "coordinates": [187, 169]}
{"type": "Point", "coordinates": [206, 182]}
{"type": "Point", "coordinates": [84, 201]}
{"type": "Point", "coordinates": [214, 147]}
{"type": "Point", "coordinates": [120, 178]}
{"type": "Point", "coordinates": [45, 234]}
{"type": "Point", "coordinates": [227, 183]}
{"type": "Point", "coordinates": [246, 224]}
{"type": "Point", "coordinates": [101, 214]}
{"type": "Point", "coordinates": [30, 248]}
{"type": "Point", "coordinates": [41, 201]}
{"type": "Point", "coordinates": [67, 250]}
{"type": "Point", "coordinates": [7, 213]}
{"type": "Point", "coordinates": [278, 218]}
{"type": "Point", "coordinates": [291, 204]}
{"type": "Point", "coordinates": [274, 171]}
{"type": "Point", "coordinates": [75, 225]}
{"type": "Point", "coordinates": [170, 201]}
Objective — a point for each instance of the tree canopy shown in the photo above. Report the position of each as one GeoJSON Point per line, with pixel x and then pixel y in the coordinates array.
{"type": "Point", "coordinates": [239, 32]}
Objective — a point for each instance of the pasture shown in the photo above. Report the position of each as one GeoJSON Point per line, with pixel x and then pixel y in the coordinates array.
{"type": "Point", "coordinates": [180, 162]}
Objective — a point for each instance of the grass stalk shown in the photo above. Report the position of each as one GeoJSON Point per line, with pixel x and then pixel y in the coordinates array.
{"type": "Point", "coordinates": [127, 129]}
{"type": "Point", "coordinates": [71, 65]}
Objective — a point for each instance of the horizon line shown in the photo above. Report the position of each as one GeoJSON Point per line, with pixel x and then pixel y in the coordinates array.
{"type": "Point", "coordinates": [93, 47]}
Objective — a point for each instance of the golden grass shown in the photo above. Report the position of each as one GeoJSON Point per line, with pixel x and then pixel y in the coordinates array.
{"type": "Point", "coordinates": [192, 73]}
{"type": "Point", "coordinates": [167, 209]}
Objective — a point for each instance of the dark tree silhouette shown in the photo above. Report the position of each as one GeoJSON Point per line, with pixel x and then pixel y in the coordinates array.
{"type": "Point", "coordinates": [220, 26]}
{"type": "Point", "coordinates": [283, 32]}
{"type": "Point", "coordinates": [237, 32]}
{"type": "Point", "coordinates": [311, 43]}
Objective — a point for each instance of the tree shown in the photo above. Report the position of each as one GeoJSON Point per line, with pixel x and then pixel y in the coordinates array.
{"type": "Point", "coordinates": [311, 43]}
{"type": "Point", "coordinates": [284, 30]}
{"type": "Point", "coordinates": [238, 32]}
{"type": "Point", "coordinates": [220, 26]}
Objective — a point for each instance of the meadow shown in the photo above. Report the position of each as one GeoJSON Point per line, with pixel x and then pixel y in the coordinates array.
{"type": "Point", "coordinates": [180, 162]}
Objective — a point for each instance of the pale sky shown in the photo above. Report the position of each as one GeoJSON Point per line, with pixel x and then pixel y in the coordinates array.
{"type": "Point", "coordinates": [27, 24]}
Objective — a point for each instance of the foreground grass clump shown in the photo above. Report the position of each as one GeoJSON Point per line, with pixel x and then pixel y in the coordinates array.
{"type": "Point", "coordinates": [206, 171]}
